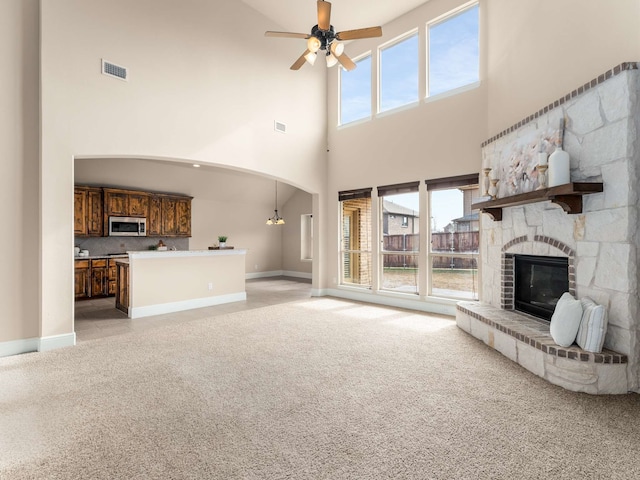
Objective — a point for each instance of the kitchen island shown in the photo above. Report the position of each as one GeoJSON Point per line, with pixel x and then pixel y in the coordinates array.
{"type": "Point", "coordinates": [160, 282]}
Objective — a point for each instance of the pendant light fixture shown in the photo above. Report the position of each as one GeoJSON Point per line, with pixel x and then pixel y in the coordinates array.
{"type": "Point", "coordinates": [276, 219]}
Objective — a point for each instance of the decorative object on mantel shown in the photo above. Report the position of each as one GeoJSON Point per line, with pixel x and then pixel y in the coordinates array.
{"type": "Point", "coordinates": [542, 166]}
{"type": "Point", "coordinates": [493, 189]}
{"type": "Point", "coordinates": [485, 181]}
{"type": "Point", "coordinates": [559, 166]}
{"type": "Point", "coordinates": [276, 219]}
{"type": "Point", "coordinates": [568, 196]}
{"type": "Point", "coordinates": [542, 176]}
{"type": "Point", "coordinates": [222, 241]}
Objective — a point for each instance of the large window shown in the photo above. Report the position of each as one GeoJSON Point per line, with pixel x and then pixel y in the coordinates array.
{"type": "Point", "coordinates": [455, 237]}
{"type": "Point", "coordinates": [453, 46]}
{"type": "Point", "coordinates": [399, 73]}
{"type": "Point", "coordinates": [355, 245]}
{"type": "Point", "coordinates": [400, 209]}
{"type": "Point", "coordinates": [355, 92]}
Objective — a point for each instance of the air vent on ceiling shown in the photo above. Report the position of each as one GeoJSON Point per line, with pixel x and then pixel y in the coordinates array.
{"type": "Point", "coordinates": [279, 127]}
{"type": "Point", "coordinates": [113, 70]}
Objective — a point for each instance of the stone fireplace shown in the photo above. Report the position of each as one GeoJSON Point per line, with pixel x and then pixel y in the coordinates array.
{"type": "Point", "coordinates": [600, 244]}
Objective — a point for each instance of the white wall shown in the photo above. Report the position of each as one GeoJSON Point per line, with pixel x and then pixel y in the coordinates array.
{"type": "Point", "coordinates": [205, 85]}
{"type": "Point", "coordinates": [541, 50]}
{"type": "Point", "coordinates": [19, 191]}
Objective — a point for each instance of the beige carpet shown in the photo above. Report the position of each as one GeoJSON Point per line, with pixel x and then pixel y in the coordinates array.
{"type": "Point", "coordinates": [319, 389]}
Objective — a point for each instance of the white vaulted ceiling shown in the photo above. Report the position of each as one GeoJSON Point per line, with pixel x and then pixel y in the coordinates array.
{"type": "Point", "coordinates": [300, 15]}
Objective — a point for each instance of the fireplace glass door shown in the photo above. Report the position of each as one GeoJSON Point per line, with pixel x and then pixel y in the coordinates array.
{"type": "Point", "coordinates": [539, 284]}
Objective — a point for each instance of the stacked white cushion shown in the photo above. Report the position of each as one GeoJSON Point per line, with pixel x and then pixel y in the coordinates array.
{"type": "Point", "coordinates": [593, 326]}
{"type": "Point", "coordinates": [565, 321]}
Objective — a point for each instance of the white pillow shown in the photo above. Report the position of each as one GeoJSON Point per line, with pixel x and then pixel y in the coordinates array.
{"type": "Point", "coordinates": [565, 320]}
{"type": "Point", "coordinates": [593, 326]}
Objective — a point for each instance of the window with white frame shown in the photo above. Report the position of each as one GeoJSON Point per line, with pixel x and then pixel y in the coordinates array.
{"type": "Point", "coordinates": [355, 237]}
{"type": "Point", "coordinates": [398, 72]}
{"type": "Point", "coordinates": [455, 237]}
{"type": "Point", "coordinates": [399, 255]}
{"type": "Point", "coordinates": [306, 237]}
{"type": "Point", "coordinates": [355, 92]}
{"type": "Point", "coordinates": [453, 50]}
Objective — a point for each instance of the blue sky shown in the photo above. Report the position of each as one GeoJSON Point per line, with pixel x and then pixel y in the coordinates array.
{"type": "Point", "coordinates": [453, 62]}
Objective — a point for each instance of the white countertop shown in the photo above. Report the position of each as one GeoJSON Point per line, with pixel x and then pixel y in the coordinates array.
{"type": "Point", "coordinates": [185, 253]}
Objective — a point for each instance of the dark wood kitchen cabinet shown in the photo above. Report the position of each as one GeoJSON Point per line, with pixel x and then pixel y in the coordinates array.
{"type": "Point", "coordinates": [138, 204]}
{"type": "Point", "coordinates": [122, 291]}
{"type": "Point", "coordinates": [82, 273]}
{"type": "Point", "coordinates": [154, 221]}
{"type": "Point", "coordinates": [169, 216]}
{"type": "Point", "coordinates": [112, 276]}
{"type": "Point", "coordinates": [87, 212]}
{"type": "Point", "coordinates": [125, 203]}
{"type": "Point", "coordinates": [99, 278]}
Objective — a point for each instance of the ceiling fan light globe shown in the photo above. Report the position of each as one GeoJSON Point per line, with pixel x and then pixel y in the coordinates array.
{"type": "Point", "coordinates": [337, 48]}
{"type": "Point", "coordinates": [310, 57]}
{"type": "Point", "coordinates": [331, 61]}
{"type": "Point", "coordinates": [313, 44]}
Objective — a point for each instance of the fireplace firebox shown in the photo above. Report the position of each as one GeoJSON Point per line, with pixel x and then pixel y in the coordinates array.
{"type": "Point", "coordinates": [539, 282]}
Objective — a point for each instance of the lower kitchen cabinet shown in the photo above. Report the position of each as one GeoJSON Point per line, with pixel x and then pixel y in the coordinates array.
{"type": "Point", "coordinates": [122, 290]}
{"type": "Point", "coordinates": [112, 276]}
{"type": "Point", "coordinates": [95, 278]}
{"type": "Point", "coordinates": [82, 273]}
{"type": "Point", "coordinates": [99, 278]}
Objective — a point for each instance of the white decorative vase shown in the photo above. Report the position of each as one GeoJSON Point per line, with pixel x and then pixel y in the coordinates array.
{"type": "Point", "coordinates": [223, 244]}
{"type": "Point", "coordinates": [559, 172]}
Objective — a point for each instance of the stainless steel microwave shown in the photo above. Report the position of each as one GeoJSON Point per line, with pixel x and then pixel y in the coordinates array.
{"type": "Point", "coordinates": [127, 227]}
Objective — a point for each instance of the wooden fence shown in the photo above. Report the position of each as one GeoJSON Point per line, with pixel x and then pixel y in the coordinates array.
{"type": "Point", "coordinates": [447, 243]}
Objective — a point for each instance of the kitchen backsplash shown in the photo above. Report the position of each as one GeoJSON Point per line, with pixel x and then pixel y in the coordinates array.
{"type": "Point", "coordinates": [107, 245]}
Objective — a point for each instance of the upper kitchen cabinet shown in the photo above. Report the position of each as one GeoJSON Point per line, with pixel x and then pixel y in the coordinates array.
{"type": "Point", "coordinates": [154, 221]}
{"type": "Point", "coordinates": [125, 203]}
{"type": "Point", "coordinates": [87, 212]}
{"type": "Point", "coordinates": [176, 216]}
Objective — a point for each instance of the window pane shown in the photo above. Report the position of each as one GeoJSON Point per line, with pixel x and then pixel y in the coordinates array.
{"type": "Point", "coordinates": [455, 241]}
{"type": "Point", "coordinates": [400, 272]}
{"type": "Point", "coordinates": [355, 92]}
{"type": "Point", "coordinates": [454, 277]}
{"type": "Point", "coordinates": [454, 52]}
{"type": "Point", "coordinates": [400, 242]}
{"type": "Point", "coordinates": [356, 268]}
{"type": "Point", "coordinates": [356, 242]}
{"type": "Point", "coordinates": [399, 74]}
{"type": "Point", "coordinates": [454, 225]}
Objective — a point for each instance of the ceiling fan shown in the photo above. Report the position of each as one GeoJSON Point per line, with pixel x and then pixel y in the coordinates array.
{"type": "Point", "coordinates": [324, 38]}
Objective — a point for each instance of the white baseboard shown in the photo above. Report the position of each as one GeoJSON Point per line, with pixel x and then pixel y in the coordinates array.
{"type": "Point", "coordinates": [291, 273]}
{"type": "Point", "coordinates": [147, 311]}
{"type": "Point", "coordinates": [429, 305]}
{"type": "Point", "coordinates": [272, 273]}
{"type": "Point", "coordinates": [277, 273]}
{"type": "Point", "coordinates": [16, 347]}
{"type": "Point", "coordinates": [27, 345]}
{"type": "Point", "coordinates": [57, 341]}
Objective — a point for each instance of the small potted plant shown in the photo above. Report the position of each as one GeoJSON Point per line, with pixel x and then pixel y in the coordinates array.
{"type": "Point", "coordinates": [222, 241]}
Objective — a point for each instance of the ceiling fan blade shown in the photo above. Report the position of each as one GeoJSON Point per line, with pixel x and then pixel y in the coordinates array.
{"type": "Point", "coordinates": [324, 15]}
{"type": "Point", "coordinates": [368, 32]}
{"type": "Point", "coordinates": [300, 61]}
{"type": "Point", "coordinates": [346, 62]}
{"type": "Point", "coordinates": [286, 35]}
